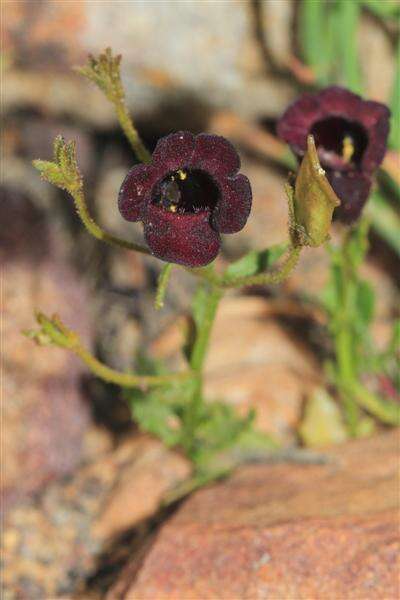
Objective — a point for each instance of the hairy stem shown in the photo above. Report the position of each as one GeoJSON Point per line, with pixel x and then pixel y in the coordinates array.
{"type": "Point", "coordinates": [201, 344]}
{"type": "Point", "coordinates": [197, 358]}
{"type": "Point", "coordinates": [125, 379]}
{"type": "Point", "coordinates": [53, 331]}
{"type": "Point", "coordinates": [131, 132]}
{"type": "Point", "coordinates": [274, 277]}
{"type": "Point", "coordinates": [94, 229]}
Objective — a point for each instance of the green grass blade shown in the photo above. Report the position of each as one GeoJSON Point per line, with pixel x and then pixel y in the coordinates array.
{"type": "Point", "coordinates": [385, 220]}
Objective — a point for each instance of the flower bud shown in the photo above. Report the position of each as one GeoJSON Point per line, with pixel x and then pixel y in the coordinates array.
{"type": "Point", "coordinates": [313, 201]}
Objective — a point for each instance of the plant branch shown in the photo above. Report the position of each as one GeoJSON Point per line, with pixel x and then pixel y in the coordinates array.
{"type": "Point", "coordinates": [204, 317]}
{"type": "Point", "coordinates": [64, 173]}
{"type": "Point", "coordinates": [52, 331]}
{"type": "Point", "coordinates": [203, 334]}
{"type": "Point", "coordinates": [274, 277]}
{"type": "Point", "coordinates": [105, 72]}
{"type": "Point", "coordinates": [94, 229]}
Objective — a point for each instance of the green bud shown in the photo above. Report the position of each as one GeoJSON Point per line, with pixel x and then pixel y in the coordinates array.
{"type": "Point", "coordinates": [63, 172]}
{"type": "Point", "coordinates": [312, 201]}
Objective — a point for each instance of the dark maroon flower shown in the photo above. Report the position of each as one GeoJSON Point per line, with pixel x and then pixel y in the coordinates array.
{"type": "Point", "coordinates": [350, 135]}
{"type": "Point", "coordinates": [187, 196]}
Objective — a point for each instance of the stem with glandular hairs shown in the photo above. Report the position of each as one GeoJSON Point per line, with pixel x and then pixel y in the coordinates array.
{"type": "Point", "coordinates": [94, 229]}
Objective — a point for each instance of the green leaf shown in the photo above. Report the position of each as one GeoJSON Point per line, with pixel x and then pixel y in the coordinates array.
{"type": "Point", "coordinates": [253, 441]}
{"type": "Point", "coordinates": [394, 344]}
{"type": "Point", "coordinates": [104, 71]}
{"type": "Point", "coordinates": [385, 220]}
{"type": "Point", "coordinates": [220, 427]}
{"type": "Point", "coordinates": [173, 394]}
{"type": "Point", "coordinates": [346, 47]}
{"type": "Point", "coordinates": [313, 39]}
{"type": "Point", "coordinates": [386, 410]}
{"type": "Point", "coordinates": [159, 411]}
{"type": "Point", "coordinates": [154, 416]}
{"type": "Point", "coordinates": [50, 172]}
{"type": "Point", "coordinates": [322, 423]}
{"type": "Point", "coordinates": [255, 262]}
{"type": "Point", "coordinates": [383, 8]}
{"type": "Point", "coordinates": [63, 172]}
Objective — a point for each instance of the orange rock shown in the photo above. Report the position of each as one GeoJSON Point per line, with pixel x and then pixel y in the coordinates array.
{"type": "Point", "coordinates": [149, 474]}
{"type": "Point", "coordinates": [284, 531]}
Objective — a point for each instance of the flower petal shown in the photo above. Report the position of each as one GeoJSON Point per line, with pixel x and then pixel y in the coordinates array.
{"type": "Point", "coordinates": [352, 188]}
{"type": "Point", "coordinates": [185, 239]}
{"type": "Point", "coordinates": [132, 194]}
{"type": "Point", "coordinates": [338, 101]}
{"type": "Point", "coordinates": [375, 118]}
{"type": "Point", "coordinates": [233, 208]}
{"type": "Point", "coordinates": [173, 151]}
{"type": "Point", "coordinates": [216, 155]}
{"type": "Point", "coordinates": [294, 125]}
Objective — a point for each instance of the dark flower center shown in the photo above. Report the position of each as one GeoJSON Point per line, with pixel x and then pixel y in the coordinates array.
{"type": "Point", "coordinates": [340, 143]}
{"type": "Point", "coordinates": [186, 191]}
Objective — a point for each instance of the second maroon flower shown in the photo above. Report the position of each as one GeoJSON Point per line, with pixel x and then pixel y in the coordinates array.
{"type": "Point", "coordinates": [350, 135]}
{"type": "Point", "coordinates": [189, 194]}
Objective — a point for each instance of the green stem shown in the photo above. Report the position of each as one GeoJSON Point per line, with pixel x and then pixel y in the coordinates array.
{"type": "Point", "coordinates": [276, 277]}
{"type": "Point", "coordinates": [54, 331]}
{"type": "Point", "coordinates": [197, 358]}
{"type": "Point", "coordinates": [125, 379]}
{"type": "Point", "coordinates": [344, 336]}
{"type": "Point", "coordinates": [94, 229]}
{"type": "Point", "coordinates": [131, 132]}
{"type": "Point", "coordinates": [201, 344]}
{"type": "Point", "coordinates": [344, 356]}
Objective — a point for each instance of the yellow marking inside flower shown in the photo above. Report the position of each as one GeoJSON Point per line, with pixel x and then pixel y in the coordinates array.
{"type": "Point", "coordinates": [182, 174]}
{"type": "Point", "coordinates": [173, 208]}
{"type": "Point", "coordinates": [347, 148]}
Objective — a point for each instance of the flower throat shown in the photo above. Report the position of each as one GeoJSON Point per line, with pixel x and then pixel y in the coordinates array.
{"type": "Point", "coordinates": [187, 191]}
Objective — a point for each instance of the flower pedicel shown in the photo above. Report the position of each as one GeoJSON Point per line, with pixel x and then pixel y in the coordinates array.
{"type": "Point", "coordinates": [187, 196]}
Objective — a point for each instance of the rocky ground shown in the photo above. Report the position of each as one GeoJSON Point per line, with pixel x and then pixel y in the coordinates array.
{"type": "Point", "coordinates": [83, 492]}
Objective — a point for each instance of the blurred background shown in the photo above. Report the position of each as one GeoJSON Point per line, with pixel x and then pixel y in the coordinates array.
{"type": "Point", "coordinates": [81, 485]}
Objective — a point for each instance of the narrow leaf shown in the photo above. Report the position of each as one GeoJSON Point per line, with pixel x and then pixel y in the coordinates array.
{"type": "Point", "coordinates": [385, 220]}
{"type": "Point", "coordinates": [255, 262]}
